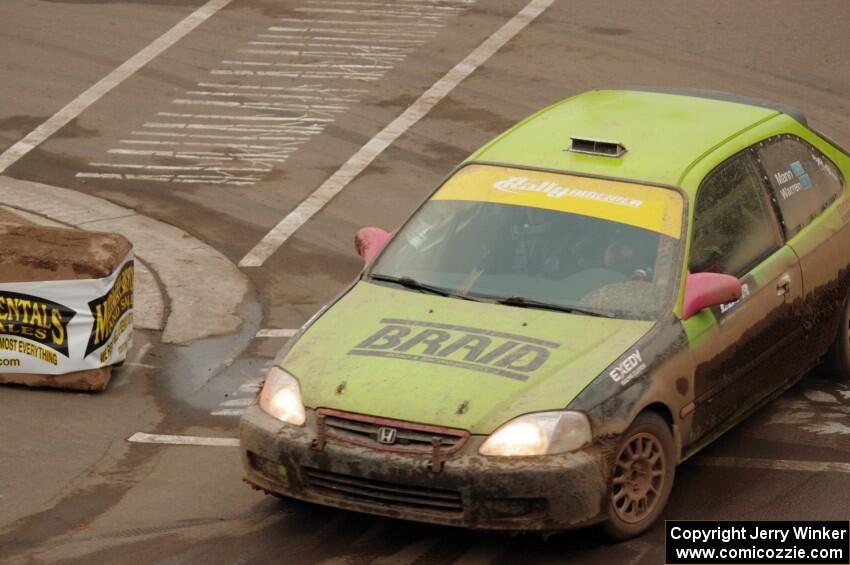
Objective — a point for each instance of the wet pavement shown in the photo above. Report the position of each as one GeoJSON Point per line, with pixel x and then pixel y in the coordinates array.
{"type": "Point", "coordinates": [73, 489]}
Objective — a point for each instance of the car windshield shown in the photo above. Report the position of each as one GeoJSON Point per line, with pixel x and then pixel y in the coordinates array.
{"type": "Point", "coordinates": [540, 239]}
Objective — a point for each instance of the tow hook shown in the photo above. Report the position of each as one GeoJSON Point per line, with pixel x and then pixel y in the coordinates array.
{"type": "Point", "coordinates": [436, 456]}
{"type": "Point", "coordinates": [318, 443]}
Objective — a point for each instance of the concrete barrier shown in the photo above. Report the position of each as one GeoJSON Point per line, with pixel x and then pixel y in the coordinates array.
{"type": "Point", "coordinates": [66, 300]}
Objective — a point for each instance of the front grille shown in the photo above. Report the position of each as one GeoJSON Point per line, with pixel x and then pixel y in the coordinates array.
{"type": "Point", "coordinates": [368, 490]}
{"type": "Point", "coordinates": [410, 438]}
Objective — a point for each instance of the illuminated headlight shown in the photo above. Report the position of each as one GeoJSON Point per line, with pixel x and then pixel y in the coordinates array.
{"type": "Point", "coordinates": [544, 433]}
{"type": "Point", "coordinates": [281, 397]}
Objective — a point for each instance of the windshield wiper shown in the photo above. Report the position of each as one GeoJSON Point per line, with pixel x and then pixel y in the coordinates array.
{"type": "Point", "coordinates": [410, 282]}
{"type": "Point", "coordinates": [523, 302]}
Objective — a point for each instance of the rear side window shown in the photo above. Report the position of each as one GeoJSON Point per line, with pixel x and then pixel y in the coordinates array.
{"type": "Point", "coordinates": [734, 225]}
{"type": "Point", "coordinates": [803, 180]}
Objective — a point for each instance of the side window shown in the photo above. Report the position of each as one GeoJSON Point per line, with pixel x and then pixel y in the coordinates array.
{"type": "Point", "coordinates": [803, 180]}
{"type": "Point", "coordinates": [734, 225]}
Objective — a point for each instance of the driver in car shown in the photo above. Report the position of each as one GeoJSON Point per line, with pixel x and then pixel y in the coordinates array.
{"type": "Point", "coordinates": [623, 255]}
{"type": "Point", "coordinates": [541, 242]}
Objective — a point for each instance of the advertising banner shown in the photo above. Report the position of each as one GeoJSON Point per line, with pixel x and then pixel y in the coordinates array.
{"type": "Point", "coordinates": [58, 327]}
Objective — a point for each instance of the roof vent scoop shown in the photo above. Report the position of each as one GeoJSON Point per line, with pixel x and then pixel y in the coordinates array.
{"type": "Point", "coordinates": [601, 147]}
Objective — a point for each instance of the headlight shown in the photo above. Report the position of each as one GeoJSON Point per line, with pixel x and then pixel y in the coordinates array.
{"type": "Point", "coordinates": [281, 397]}
{"type": "Point", "coordinates": [544, 433]}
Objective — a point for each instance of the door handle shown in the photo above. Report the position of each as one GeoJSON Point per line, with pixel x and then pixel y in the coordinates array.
{"type": "Point", "coordinates": [783, 286]}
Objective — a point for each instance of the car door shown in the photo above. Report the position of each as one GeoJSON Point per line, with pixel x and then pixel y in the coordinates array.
{"type": "Point", "coordinates": [803, 183]}
{"type": "Point", "coordinates": [740, 349]}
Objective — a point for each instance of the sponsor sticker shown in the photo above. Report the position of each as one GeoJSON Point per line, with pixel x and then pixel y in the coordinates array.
{"type": "Point", "coordinates": [825, 166]}
{"type": "Point", "coordinates": [628, 369]}
{"type": "Point", "coordinates": [793, 180]}
{"type": "Point", "coordinates": [501, 354]}
{"type": "Point", "coordinates": [651, 208]}
{"type": "Point", "coordinates": [729, 306]}
{"type": "Point", "coordinates": [56, 327]}
{"type": "Point", "coordinates": [519, 185]}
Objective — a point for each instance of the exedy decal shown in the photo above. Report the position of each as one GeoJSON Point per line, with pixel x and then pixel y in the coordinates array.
{"type": "Point", "coordinates": [35, 319]}
{"type": "Point", "coordinates": [109, 308]}
{"type": "Point", "coordinates": [627, 369]}
{"type": "Point", "coordinates": [487, 351]}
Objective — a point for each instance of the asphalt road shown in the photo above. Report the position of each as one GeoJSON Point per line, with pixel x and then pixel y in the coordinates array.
{"type": "Point", "coordinates": [285, 92]}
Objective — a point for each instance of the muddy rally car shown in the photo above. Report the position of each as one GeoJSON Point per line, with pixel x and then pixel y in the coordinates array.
{"type": "Point", "coordinates": [583, 304]}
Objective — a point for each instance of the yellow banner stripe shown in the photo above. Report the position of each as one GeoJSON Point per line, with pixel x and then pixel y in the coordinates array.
{"type": "Point", "coordinates": [652, 208]}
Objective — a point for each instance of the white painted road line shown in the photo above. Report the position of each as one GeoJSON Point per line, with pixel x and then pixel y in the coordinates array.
{"type": "Point", "coordinates": [364, 157]}
{"type": "Point", "coordinates": [243, 402]}
{"type": "Point", "coordinates": [774, 464]}
{"type": "Point", "coordinates": [276, 333]}
{"type": "Point", "coordinates": [107, 83]}
{"type": "Point", "coordinates": [131, 366]}
{"type": "Point", "coordinates": [140, 437]}
{"type": "Point", "coordinates": [229, 412]}
{"type": "Point", "coordinates": [641, 548]}
{"type": "Point", "coordinates": [408, 554]}
{"type": "Point", "coordinates": [305, 106]}
{"type": "Point", "coordinates": [200, 305]}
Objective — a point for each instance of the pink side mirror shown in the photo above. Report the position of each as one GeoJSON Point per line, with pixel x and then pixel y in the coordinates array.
{"type": "Point", "coordinates": [369, 242]}
{"type": "Point", "coordinates": [703, 290]}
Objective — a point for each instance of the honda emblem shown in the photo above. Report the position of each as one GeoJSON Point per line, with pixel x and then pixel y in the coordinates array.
{"type": "Point", "coordinates": [387, 436]}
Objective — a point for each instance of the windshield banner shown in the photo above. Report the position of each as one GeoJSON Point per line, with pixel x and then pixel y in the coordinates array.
{"type": "Point", "coordinates": [651, 208]}
{"type": "Point", "coordinates": [58, 327]}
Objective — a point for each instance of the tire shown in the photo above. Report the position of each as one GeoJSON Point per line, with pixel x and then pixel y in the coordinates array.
{"type": "Point", "coordinates": [837, 361]}
{"type": "Point", "coordinates": [642, 475]}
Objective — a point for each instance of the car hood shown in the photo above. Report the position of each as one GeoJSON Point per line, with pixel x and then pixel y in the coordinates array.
{"type": "Point", "coordinates": [406, 355]}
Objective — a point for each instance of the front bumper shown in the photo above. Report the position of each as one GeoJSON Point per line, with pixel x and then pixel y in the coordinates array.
{"type": "Point", "coordinates": [555, 492]}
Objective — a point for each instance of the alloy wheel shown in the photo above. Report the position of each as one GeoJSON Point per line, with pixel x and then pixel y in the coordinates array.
{"type": "Point", "coordinates": [639, 474]}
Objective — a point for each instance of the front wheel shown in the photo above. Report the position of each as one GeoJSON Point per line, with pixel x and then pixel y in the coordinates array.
{"type": "Point", "coordinates": [642, 477]}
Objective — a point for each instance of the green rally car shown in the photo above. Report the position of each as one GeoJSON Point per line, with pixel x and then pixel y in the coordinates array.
{"type": "Point", "coordinates": [583, 304]}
